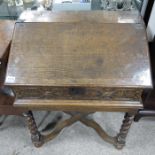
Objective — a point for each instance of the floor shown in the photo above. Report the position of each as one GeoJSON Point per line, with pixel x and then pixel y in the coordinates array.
{"type": "Point", "coordinates": [77, 139]}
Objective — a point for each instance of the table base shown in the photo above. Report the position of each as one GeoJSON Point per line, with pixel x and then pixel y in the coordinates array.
{"type": "Point", "coordinates": [39, 139]}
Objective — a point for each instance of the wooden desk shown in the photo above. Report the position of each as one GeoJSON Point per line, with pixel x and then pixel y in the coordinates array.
{"type": "Point", "coordinates": [79, 66]}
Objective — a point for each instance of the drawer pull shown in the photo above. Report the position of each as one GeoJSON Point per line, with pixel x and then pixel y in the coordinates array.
{"type": "Point", "coordinates": [76, 91]}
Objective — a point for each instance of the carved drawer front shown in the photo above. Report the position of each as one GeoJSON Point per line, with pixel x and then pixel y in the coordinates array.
{"type": "Point", "coordinates": [78, 93]}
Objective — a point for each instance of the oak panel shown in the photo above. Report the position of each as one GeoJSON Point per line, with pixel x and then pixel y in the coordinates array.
{"type": "Point", "coordinates": [79, 54]}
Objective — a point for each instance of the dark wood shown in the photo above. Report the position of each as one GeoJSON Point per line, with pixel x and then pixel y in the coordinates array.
{"type": "Point", "coordinates": [69, 68]}
{"type": "Point", "coordinates": [77, 93]}
{"type": "Point", "coordinates": [149, 95]}
{"type": "Point", "coordinates": [144, 113]}
{"type": "Point", "coordinates": [39, 139]}
{"type": "Point", "coordinates": [6, 31]}
{"type": "Point", "coordinates": [6, 103]}
{"type": "Point", "coordinates": [74, 118]}
{"type": "Point", "coordinates": [93, 124]}
{"type": "Point", "coordinates": [121, 137]}
{"type": "Point", "coordinates": [78, 62]}
{"type": "Point", "coordinates": [35, 134]}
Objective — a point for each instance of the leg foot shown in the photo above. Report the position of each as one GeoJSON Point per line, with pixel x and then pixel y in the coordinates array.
{"type": "Point", "coordinates": [137, 117]}
{"type": "Point", "coordinates": [121, 137]}
{"type": "Point", "coordinates": [36, 137]}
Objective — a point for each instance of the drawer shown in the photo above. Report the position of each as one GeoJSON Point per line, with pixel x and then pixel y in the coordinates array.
{"type": "Point", "coordinates": [77, 93]}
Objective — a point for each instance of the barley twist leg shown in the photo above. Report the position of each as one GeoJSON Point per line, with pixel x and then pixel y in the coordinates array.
{"type": "Point", "coordinates": [121, 137]}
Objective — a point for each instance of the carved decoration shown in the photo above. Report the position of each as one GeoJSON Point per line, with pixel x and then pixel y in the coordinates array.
{"type": "Point", "coordinates": [71, 93]}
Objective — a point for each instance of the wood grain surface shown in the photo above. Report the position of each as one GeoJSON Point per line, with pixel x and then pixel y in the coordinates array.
{"type": "Point", "coordinates": [79, 54]}
{"type": "Point", "coordinates": [79, 105]}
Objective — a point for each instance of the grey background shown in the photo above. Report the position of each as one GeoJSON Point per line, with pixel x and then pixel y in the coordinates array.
{"type": "Point", "coordinates": [78, 139]}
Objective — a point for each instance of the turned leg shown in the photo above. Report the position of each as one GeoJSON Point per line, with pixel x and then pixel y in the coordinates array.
{"type": "Point", "coordinates": [36, 137]}
{"type": "Point", "coordinates": [121, 137]}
